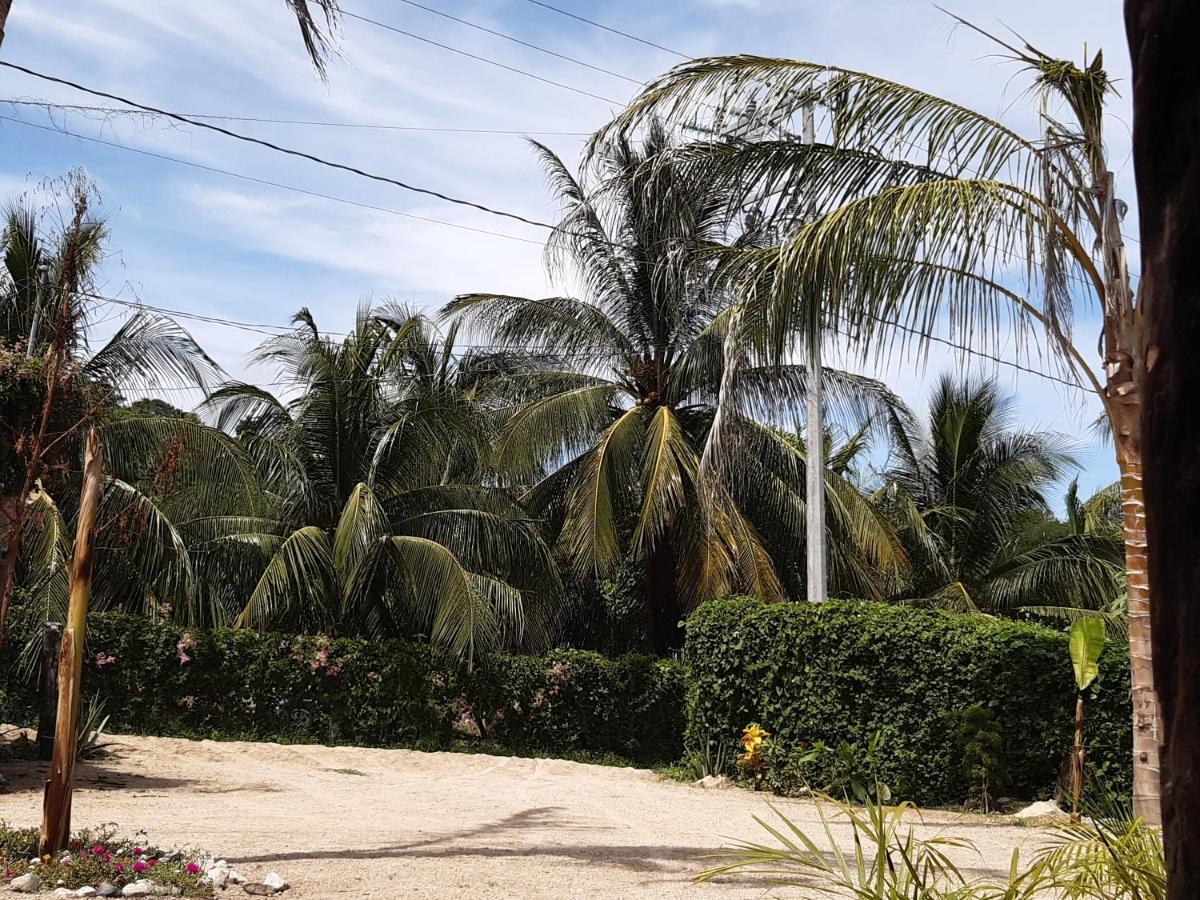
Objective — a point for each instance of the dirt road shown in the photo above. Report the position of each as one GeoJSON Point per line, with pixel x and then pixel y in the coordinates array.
{"type": "Point", "coordinates": [344, 822]}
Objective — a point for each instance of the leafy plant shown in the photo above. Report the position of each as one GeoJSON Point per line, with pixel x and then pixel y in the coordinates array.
{"type": "Point", "coordinates": [981, 745]}
{"type": "Point", "coordinates": [711, 758]}
{"type": "Point", "coordinates": [88, 742]}
{"type": "Point", "coordinates": [888, 861]}
{"type": "Point", "coordinates": [1113, 857]}
{"type": "Point", "coordinates": [854, 770]}
{"type": "Point", "coordinates": [1086, 645]}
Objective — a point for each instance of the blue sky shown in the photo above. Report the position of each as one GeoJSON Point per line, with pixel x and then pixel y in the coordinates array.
{"type": "Point", "coordinates": [221, 246]}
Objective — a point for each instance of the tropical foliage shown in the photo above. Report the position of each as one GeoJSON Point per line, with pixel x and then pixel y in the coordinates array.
{"type": "Point", "coordinates": [610, 445]}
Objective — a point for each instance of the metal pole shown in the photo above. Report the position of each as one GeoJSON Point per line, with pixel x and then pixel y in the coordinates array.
{"type": "Point", "coordinates": [814, 481]}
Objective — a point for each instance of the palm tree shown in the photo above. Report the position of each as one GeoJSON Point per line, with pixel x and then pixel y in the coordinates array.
{"type": "Point", "coordinates": [968, 495]}
{"type": "Point", "coordinates": [609, 445]}
{"type": "Point", "coordinates": [908, 213]}
{"type": "Point", "coordinates": [361, 526]}
{"type": "Point", "coordinates": [315, 34]}
{"type": "Point", "coordinates": [46, 307]}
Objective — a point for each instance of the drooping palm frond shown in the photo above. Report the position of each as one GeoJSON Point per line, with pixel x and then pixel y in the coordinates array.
{"type": "Point", "coordinates": [316, 34]}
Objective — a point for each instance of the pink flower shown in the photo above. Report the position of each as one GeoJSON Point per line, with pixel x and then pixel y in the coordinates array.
{"type": "Point", "coordinates": [107, 857]}
{"type": "Point", "coordinates": [98, 849]}
{"type": "Point", "coordinates": [138, 851]}
{"type": "Point", "coordinates": [8, 873]}
{"type": "Point", "coordinates": [152, 863]}
{"type": "Point", "coordinates": [192, 869]}
{"type": "Point", "coordinates": [120, 867]}
{"type": "Point", "coordinates": [139, 866]}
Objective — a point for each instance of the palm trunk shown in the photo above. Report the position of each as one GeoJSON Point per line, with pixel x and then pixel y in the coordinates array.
{"type": "Point", "coordinates": [662, 598]}
{"type": "Point", "coordinates": [1146, 795]}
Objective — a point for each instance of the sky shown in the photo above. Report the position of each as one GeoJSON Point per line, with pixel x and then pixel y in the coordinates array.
{"type": "Point", "coordinates": [209, 243]}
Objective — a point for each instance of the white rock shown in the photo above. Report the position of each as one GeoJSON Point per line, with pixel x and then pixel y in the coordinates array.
{"type": "Point", "coordinates": [108, 889]}
{"type": "Point", "coordinates": [236, 877]}
{"type": "Point", "coordinates": [143, 887]}
{"type": "Point", "coordinates": [275, 882]}
{"type": "Point", "coordinates": [87, 891]}
{"type": "Point", "coordinates": [1041, 810]}
{"type": "Point", "coordinates": [26, 884]}
{"type": "Point", "coordinates": [714, 782]}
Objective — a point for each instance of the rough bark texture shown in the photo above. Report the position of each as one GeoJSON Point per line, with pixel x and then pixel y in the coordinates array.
{"type": "Point", "coordinates": [56, 802]}
{"type": "Point", "coordinates": [1166, 123]}
{"type": "Point", "coordinates": [1146, 729]}
{"type": "Point", "coordinates": [662, 594]}
{"type": "Point", "coordinates": [5, 6]}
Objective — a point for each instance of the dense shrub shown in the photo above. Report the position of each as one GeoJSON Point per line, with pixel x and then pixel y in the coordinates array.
{"type": "Point", "coordinates": [162, 679]}
{"type": "Point", "coordinates": [846, 670]}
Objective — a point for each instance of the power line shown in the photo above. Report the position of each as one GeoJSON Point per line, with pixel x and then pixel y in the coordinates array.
{"type": "Point", "coordinates": [624, 34]}
{"type": "Point", "coordinates": [517, 40]}
{"type": "Point", "coordinates": [275, 184]}
{"type": "Point", "coordinates": [262, 328]}
{"type": "Point", "coordinates": [280, 149]}
{"type": "Point", "coordinates": [113, 110]}
{"type": "Point", "coordinates": [483, 59]}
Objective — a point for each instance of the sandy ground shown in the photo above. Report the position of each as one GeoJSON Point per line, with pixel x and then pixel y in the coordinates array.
{"type": "Point", "coordinates": [346, 822]}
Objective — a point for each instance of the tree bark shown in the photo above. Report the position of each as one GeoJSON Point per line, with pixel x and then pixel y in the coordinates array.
{"type": "Point", "coordinates": [56, 801]}
{"type": "Point", "coordinates": [5, 6]}
{"type": "Point", "coordinates": [662, 598]}
{"type": "Point", "coordinates": [1146, 730]}
{"type": "Point", "coordinates": [1166, 121]}
{"type": "Point", "coordinates": [48, 685]}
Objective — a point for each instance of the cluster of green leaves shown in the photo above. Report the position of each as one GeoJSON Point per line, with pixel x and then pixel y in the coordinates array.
{"type": "Point", "coordinates": [846, 670]}
{"type": "Point", "coordinates": [158, 678]}
{"type": "Point", "coordinates": [1113, 856]}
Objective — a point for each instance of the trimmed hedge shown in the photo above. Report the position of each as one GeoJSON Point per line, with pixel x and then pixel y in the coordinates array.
{"type": "Point", "coordinates": [161, 679]}
{"type": "Point", "coordinates": [844, 670]}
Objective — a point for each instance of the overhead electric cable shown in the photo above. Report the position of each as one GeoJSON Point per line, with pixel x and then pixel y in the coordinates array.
{"type": "Point", "coordinates": [110, 110]}
{"type": "Point", "coordinates": [280, 149]}
{"type": "Point", "coordinates": [517, 40]}
{"type": "Point", "coordinates": [483, 59]}
{"type": "Point", "coordinates": [275, 184]}
{"type": "Point", "coordinates": [624, 34]}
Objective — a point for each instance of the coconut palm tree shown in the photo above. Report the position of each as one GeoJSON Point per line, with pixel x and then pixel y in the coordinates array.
{"type": "Point", "coordinates": [361, 527]}
{"type": "Point", "coordinates": [609, 445]}
{"type": "Point", "coordinates": [968, 493]}
{"type": "Point", "coordinates": [61, 385]}
{"type": "Point", "coordinates": [908, 213]}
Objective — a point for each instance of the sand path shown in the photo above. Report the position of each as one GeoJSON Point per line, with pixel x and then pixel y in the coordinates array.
{"type": "Point", "coordinates": [347, 822]}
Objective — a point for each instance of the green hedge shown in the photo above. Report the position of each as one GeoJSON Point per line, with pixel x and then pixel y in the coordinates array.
{"type": "Point", "coordinates": [162, 679]}
{"type": "Point", "coordinates": [845, 670]}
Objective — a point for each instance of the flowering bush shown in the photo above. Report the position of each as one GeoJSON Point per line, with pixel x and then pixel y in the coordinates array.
{"type": "Point", "coordinates": [96, 856]}
{"type": "Point", "coordinates": [245, 685]}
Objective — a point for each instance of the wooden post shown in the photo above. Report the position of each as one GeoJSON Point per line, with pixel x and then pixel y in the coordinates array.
{"type": "Point", "coordinates": [56, 803]}
{"type": "Point", "coordinates": [48, 712]}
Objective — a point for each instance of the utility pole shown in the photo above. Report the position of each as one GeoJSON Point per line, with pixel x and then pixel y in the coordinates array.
{"type": "Point", "coordinates": [56, 802]}
{"type": "Point", "coordinates": [814, 468]}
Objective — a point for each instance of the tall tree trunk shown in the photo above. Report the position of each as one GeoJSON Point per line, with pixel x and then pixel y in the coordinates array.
{"type": "Point", "coordinates": [1146, 775]}
{"type": "Point", "coordinates": [662, 597]}
{"type": "Point", "coordinates": [1166, 118]}
{"type": "Point", "coordinates": [5, 6]}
